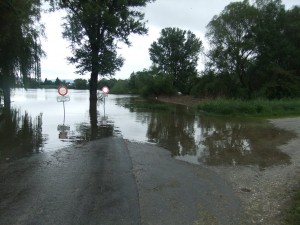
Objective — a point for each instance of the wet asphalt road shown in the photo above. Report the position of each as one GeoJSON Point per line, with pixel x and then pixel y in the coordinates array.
{"type": "Point", "coordinates": [111, 181]}
{"type": "Point", "coordinates": [90, 185]}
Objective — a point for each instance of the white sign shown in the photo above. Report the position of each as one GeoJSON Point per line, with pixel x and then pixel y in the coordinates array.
{"type": "Point", "coordinates": [65, 98]}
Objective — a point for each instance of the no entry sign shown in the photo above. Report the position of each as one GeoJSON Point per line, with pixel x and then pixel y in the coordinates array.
{"type": "Point", "coordinates": [62, 90]}
{"type": "Point", "coordinates": [105, 90]}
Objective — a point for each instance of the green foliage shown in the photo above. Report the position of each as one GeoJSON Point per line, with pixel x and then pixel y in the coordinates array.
{"type": "Point", "coordinates": [255, 52]}
{"type": "Point", "coordinates": [231, 36]}
{"type": "Point", "coordinates": [259, 107]}
{"type": "Point", "coordinates": [57, 82]}
{"type": "Point", "coordinates": [80, 84]}
{"type": "Point", "coordinates": [107, 82]}
{"type": "Point", "coordinates": [293, 217]}
{"type": "Point", "coordinates": [19, 46]}
{"type": "Point", "coordinates": [120, 87]}
{"type": "Point", "coordinates": [94, 28]}
{"type": "Point", "coordinates": [48, 82]}
{"type": "Point", "coordinates": [147, 84]}
{"type": "Point", "coordinates": [31, 83]}
{"type": "Point", "coordinates": [176, 54]}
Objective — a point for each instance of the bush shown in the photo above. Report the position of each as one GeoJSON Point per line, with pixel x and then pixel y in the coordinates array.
{"type": "Point", "coordinates": [120, 87]}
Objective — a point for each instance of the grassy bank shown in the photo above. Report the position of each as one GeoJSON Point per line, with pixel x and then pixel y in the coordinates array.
{"type": "Point", "coordinates": [256, 108]}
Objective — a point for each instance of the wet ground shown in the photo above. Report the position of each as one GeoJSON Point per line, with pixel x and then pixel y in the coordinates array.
{"type": "Point", "coordinates": [110, 181]}
{"type": "Point", "coordinates": [92, 184]}
{"type": "Point", "coordinates": [154, 163]}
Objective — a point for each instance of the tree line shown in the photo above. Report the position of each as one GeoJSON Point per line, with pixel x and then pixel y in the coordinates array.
{"type": "Point", "coordinates": [254, 53]}
{"type": "Point", "coordinates": [254, 48]}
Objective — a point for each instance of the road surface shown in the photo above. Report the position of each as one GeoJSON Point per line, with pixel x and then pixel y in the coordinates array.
{"type": "Point", "coordinates": [113, 181]}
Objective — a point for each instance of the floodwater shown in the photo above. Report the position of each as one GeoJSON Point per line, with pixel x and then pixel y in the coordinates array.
{"type": "Point", "coordinates": [38, 123]}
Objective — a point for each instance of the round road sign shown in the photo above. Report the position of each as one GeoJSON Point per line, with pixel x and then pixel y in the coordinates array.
{"type": "Point", "coordinates": [105, 90]}
{"type": "Point", "coordinates": [62, 90]}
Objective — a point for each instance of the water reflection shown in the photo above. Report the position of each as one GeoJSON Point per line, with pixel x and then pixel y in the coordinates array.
{"type": "Point", "coordinates": [241, 142]}
{"type": "Point", "coordinates": [99, 127]}
{"type": "Point", "coordinates": [210, 140]}
{"type": "Point", "coordinates": [63, 131]}
{"type": "Point", "coordinates": [194, 138]}
{"type": "Point", "coordinates": [20, 134]}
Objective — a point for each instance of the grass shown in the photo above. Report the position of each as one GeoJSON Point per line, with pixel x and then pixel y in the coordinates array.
{"type": "Point", "coordinates": [293, 217]}
{"type": "Point", "coordinates": [256, 108]}
{"type": "Point", "coordinates": [148, 106]}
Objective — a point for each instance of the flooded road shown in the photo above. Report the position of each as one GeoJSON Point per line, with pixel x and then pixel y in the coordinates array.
{"type": "Point", "coordinates": [37, 124]}
{"type": "Point", "coordinates": [136, 161]}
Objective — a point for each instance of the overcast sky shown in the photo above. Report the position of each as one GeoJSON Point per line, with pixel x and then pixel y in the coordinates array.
{"type": "Point", "coordinates": [191, 15]}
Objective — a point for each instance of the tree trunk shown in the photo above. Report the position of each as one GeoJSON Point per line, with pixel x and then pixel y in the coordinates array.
{"type": "Point", "coordinates": [93, 86]}
{"type": "Point", "coordinates": [93, 119]}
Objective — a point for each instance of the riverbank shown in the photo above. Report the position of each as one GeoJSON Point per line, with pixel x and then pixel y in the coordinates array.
{"type": "Point", "coordinates": [262, 108]}
{"type": "Point", "coordinates": [180, 99]}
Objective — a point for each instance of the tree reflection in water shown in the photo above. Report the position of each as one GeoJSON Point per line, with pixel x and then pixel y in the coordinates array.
{"type": "Point", "coordinates": [20, 135]}
{"type": "Point", "coordinates": [241, 142]}
{"type": "Point", "coordinates": [98, 128]}
{"type": "Point", "coordinates": [211, 140]}
{"type": "Point", "coordinates": [173, 130]}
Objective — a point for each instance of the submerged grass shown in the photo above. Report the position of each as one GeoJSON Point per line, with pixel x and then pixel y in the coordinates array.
{"type": "Point", "coordinates": [148, 106]}
{"type": "Point", "coordinates": [256, 108]}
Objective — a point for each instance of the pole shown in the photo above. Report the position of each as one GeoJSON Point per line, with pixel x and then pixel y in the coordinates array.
{"type": "Point", "coordinates": [64, 113]}
{"type": "Point", "coordinates": [104, 106]}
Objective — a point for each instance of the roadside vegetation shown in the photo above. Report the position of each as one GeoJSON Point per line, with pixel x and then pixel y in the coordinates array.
{"type": "Point", "coordinates": [253, 108]}
{"type": "Point", "coordinates": [293, 217]}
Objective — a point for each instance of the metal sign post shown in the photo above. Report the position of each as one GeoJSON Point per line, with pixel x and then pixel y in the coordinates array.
{"type": "Point", "coordinates": [63, 91]}
{"type": "Point", "coordinates": [105, 91]}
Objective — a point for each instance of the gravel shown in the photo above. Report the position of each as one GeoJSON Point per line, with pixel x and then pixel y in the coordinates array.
{"type": "Point", "coordinates": [266, 194]}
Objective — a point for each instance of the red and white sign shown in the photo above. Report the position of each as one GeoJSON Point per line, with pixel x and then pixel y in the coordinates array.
{"type": "Point", "coordinates": [62, 90]}
{"type": "Point", "coordinates": [105, 90]}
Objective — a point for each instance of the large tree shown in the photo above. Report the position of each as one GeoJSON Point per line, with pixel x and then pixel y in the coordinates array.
{"type": "Point", "coordinates": [176, 54]}
{"type": "Point", "coordinates": [256, 48]}
{"type": "Point", "coordinates": [277, 39]}
{"type": "Point", "coordinates": [231, 36]}
{"type": "Point", "coordinates": [19, 46]}
{"type": "Point", "coordinates": [292, 33]}
{"type": "Point", "coordinates": [94, 28]}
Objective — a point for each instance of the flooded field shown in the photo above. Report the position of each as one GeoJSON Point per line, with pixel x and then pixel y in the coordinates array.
{"type": "Point", "coordinates": [37, 123]}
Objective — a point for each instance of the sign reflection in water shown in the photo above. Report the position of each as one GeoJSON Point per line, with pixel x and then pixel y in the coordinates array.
{"type": "Point", "coordinates": [190, 137]}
